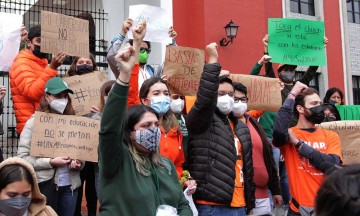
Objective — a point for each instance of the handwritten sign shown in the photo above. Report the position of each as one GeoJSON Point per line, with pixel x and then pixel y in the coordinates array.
{"type": "Point", "coordinates": [349, 112]}
{"type": "Point", "coordinates": [65, 33]}
{"type": "Point", "coordinates": [296, 41]}
{"type": "Point", "coordinates": [349, 132]}
{"type": "Point", "coordinates": [9, 39]}
{"type": "Point", "coordinates": [56, 135]}
{"type": "Point", "coordinates": [183, 67]}
{"type": "Point", "coordinates": [86, 90]}
{"type": "Point", "coordinates": [263, 93]}
{"type": "Point", "coordinates": [158, 22]}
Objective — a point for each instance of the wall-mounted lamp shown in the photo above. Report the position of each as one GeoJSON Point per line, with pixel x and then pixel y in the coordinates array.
{"type": "Point", "coordinates": [231, 30]}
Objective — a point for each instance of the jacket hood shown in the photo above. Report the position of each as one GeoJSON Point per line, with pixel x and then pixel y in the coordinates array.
{"type": "Point", "coordinates": [26, 53]}
{"type": "Point", "coordinates": [38, 200]}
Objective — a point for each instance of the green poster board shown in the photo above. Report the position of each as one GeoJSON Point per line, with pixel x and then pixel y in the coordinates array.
{"type": "Point", "coordinates": [349, 112]}
{"type": "Point", "coordinates": [296, 42]}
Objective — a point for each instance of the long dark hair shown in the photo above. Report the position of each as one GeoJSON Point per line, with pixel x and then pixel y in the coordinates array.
{"type": "Point", "coordinates": [168, 121]}
{"type": "Point", "coordinates": [330, 92]}
{"type": "Point", "coordinates": [14, 173]}
{"type": "Point", "coordinates": [72, 69]}
{"type": "Point", "coordinates": [133, 115]}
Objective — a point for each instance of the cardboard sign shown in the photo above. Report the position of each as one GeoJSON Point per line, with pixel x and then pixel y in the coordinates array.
{"type": "Point", "coordinates": [349, 132]}
{"type": "Point", "coordinates": [86, 90]}
{"type": "Point", "coordinates": [183, 67]}
{"type": "Point", "coordinates": [263, 93]}
{"type": "Point", "coordinates": [56, 135]}
{"type": "Point", "coordinates": [158, 22]}
{"type": "Point", "coordinates": [296, 41]}
{"type": "Point", "coordinates": [9, 39]}
{"type": "Point", "coordinates": [64, 33]}
{"type": "Point", "coordinates": [349, 112]}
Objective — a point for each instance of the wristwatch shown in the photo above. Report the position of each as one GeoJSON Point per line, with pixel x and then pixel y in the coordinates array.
{"type": "Point", "coordinates": [298, 144]}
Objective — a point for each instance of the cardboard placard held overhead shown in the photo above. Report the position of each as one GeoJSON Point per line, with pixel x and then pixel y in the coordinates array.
{"type": "Point", "coordinates": [263, 93]}
{"type": "Point", "coordinates": [296, 41]}
{"type": "Point", "coordinates": [56, 135]}
{"type": "Point", "coordinates": [64, 33]}
{"type": "Point", "coordinates": [9, 39]}
{"type": "Point", "coordinates": [349, 132]}
{"type": "Point", "coordinates": [183, 67]}
{"type": "Point", "coordinates": [86, 90]}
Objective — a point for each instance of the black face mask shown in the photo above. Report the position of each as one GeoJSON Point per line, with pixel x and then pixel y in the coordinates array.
{"type": "Point", "coordinates": [316, 114]}
{"type": "Point", "coordinates": [37, 52]}
{"type": "Point", "coordinates": [329, 119]}
{"type": "Point", "coordinates": [84, 68]}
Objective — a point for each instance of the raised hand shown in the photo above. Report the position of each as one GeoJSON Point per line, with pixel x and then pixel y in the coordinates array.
{"type": "Point", "coordinates": [24, 33]}
{"type": "Point", "coordinates": [264, 59]}
{"type": "Point", "coordinates": [126, 61]}
{"type": "Point", "coordinates": [298, 88]}
{"type": "Point", "coordinates": [139, 31]}
{"type": "Point", "coordinates": [211, 51]}
{"type": "Point", "coordinates": [57, 60]}
{"type": "Point", "coordinates": [2, 92]}
{"type": "Point", "coordinates": [172, 33]}
{"type": "Point", "coordinates": [126, 26]}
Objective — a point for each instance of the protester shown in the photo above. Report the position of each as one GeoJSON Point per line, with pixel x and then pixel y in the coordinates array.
{"type": "Point", "coordinates": [309, 151]}
{"type": "Point", "coordinates": [177, 105]}
{"type": "Point", "coordinates": [80, 66]}
{"type": "Point", "coordinates": [331, 113]}
{"type": "Point", "coordinates": [131, 168]}
{"type": "Point", "coordinates": [59, 177]}
{"type": "Point", "coordinates": [143, 70]}
{"type": "Point", "coordinates": [2, 95]}
{"type": "Point", "coordinates": [340, 193]}
{"type": "Point", "coordinates": [223, 168]}
{"type": "Point", "coordinates": [28, 75]}
{"type": "Point", "coordinates": [334, 96]}
{"type": "Point", "coordinates": [265, 171]}
{"type": "Point", "coordinates": [19, 191]}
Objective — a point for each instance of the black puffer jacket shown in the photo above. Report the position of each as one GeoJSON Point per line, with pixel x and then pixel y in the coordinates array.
{"type": "Point", "coordinates": [212, 153]}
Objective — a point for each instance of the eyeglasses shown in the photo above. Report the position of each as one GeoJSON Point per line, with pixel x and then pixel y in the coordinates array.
{"type": "Point", "coordinates": [222, 93]}
{"type": "Point", "coordinates": [242, 99]}
{"type": "Point", "coordinates": [142, 50]}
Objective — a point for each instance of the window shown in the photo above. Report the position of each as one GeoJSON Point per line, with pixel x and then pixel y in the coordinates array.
{"type": "Point", "coordinates": [356, 89]}
{"type": "Point", "coordinates": [303, 7]}
{"type": "Point", "coordinates": [353, 11]}
{"type": "Point", "coordinates": [314, 83]}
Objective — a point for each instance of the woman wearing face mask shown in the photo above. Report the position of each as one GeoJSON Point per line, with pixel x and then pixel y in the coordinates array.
{"type": "Point", "coordinates": [82, 65]}
{"type": "Point", "coordinates": [334, 96]}
{"type": "Point", "coordinates": [331, 113]}
{"type": "Point", "coordinates": [155, 93]}
{"type": "Point", "coordinates": [19, 191]}
{"type": "Point", "coordinates": [134, 178]}
{"type": "Point", "coordinates": [59, 178]}
{"type": "Point", "coordinates": [265, 171]}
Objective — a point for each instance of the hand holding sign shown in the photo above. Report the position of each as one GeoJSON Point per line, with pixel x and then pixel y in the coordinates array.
{"type": "Point", "coordinates": [60, 161]}
{"type": "Point", "coordinates": [57, 60]}
{"type": "Point", "coordinates": [126, 26]}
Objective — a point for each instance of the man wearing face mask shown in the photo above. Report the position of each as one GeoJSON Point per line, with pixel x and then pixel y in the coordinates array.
{"type": "Point", "coordinates": [28, 75]}
{"type": "Point", "coordinates": [306, 148]}
{"type": "Point", "coordinates": [265, 171]}
{"type": "Point", "coordinates": [220, 157]}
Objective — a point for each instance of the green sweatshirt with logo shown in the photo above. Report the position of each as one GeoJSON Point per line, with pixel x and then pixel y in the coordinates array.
{"type": "Point", "coordinates": [123, 190]}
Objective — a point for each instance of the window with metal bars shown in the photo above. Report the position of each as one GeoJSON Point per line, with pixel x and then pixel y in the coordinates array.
{"type": "Point", "coordinates": [356, 89]}
{"type": "Point", "coordinates": [353, 11]}
{"type": "Point", "coordinates": [306, 7]}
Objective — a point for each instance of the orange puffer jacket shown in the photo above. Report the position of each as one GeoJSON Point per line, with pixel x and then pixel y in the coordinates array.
{"type": "Point", "coordinates": [28, 76]}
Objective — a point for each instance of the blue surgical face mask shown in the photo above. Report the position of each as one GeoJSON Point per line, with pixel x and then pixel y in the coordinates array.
{"type": "Point", "coordinates": [161, 104]}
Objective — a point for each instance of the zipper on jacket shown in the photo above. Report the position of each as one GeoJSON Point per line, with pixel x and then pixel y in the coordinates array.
{"type": "Point", "coordinates": [212, 162]}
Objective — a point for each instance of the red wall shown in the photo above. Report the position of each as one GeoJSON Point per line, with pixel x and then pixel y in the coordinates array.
{"type": "Point", "coordinates": [334, 51]}
{"type": "Point", "coordinates": [200, 22]}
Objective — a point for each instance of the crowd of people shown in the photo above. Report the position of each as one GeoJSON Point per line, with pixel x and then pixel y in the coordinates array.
{"type": "Point", "coordinates": [153, 145]}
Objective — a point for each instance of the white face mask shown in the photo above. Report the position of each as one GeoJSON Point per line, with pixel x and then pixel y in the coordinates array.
{"type": "Point", "coordinates": [177, 105]}
{"type": "Point", "coordinates": [225, 104]}
{"type": "Point", "coordinates": [239, 109]}
{"type": "Point", "coordinates": [59, 105]}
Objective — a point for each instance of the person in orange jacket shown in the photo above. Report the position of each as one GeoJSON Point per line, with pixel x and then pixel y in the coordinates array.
{"type": "Point", "coordinates": [28, 76]}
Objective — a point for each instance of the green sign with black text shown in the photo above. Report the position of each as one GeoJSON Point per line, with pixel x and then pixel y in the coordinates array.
{"type": "Point", "coordinates": [296, 42]}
